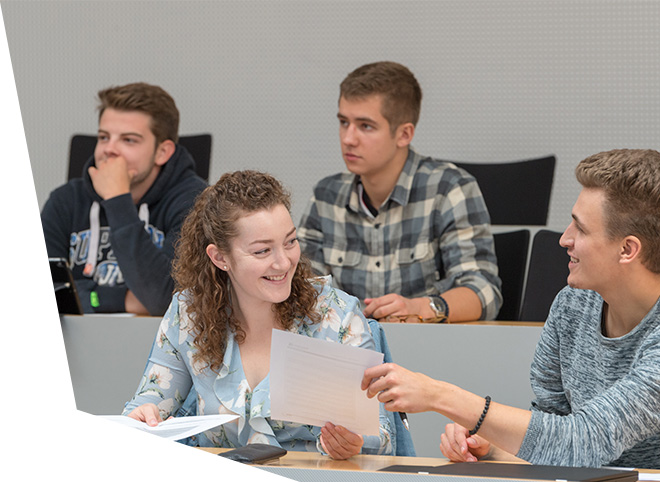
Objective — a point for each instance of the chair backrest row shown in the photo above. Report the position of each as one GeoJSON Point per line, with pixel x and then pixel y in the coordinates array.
{"type": "Point", "coordinates": [518, 193]}
{"type": "Point", "coordinates": [545, 274]}
{"type": "Point", "coordinates": [82, 147]}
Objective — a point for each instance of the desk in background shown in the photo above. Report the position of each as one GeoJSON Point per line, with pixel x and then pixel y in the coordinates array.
{"type": "Point", "coordinates": [107, 355]}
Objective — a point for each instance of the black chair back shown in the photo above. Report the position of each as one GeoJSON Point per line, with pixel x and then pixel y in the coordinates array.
{"type": "Point", "coordinates": [511, 249]}
{"type": "Point", "coordinates": [548, 270]}
{"type": "Point", "coordinates": [82, 147]}
{"type": "Point", "coordinates": [516, 193]}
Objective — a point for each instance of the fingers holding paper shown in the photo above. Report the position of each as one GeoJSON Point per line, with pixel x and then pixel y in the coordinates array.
{"type": "Point", "coordinates": [339, 442]}
{"type": "Point", "coordinates": [401, 390]}
{"type": "Point", "coordinates": [147, 413]}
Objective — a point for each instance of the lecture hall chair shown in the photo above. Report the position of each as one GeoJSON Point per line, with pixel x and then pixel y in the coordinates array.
{"type": "Point", "coordinates": [82, 147]}
{"type": "Point", "coordinates": [546, 276]}
{"type": "Point", "coordinates": [516, 193]}
{"type": "Point", "coordinates": [511, 249]}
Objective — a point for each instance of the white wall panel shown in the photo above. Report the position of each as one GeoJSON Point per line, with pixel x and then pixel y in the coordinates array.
{"type": "Point", "coordinates": [502, 80]}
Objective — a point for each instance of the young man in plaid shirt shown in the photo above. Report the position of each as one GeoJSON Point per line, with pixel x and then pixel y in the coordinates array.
{"type": "Point", "coordinates": [407, 234]}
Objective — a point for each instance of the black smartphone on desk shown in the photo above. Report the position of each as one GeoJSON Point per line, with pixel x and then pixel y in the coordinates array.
{"type": "Point", "coordinates": [254, 453]}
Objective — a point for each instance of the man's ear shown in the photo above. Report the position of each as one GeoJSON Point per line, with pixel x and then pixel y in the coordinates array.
{"type": "Point", "coordinates": [164, 151]}
{"type": "Point", "coordinates": [631, 248]}
{"type": "Point", "coordinates": [217, 258]}
{"type": "Point", "coordinates": [404, 134]}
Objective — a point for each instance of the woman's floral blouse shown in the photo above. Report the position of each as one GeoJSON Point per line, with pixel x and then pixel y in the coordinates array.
{"type": "Point", "coordinates": [170, 374]}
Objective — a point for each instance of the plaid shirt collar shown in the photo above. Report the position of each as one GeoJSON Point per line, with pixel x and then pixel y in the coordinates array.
{"type": "Point", "coordinates": [400, 194]}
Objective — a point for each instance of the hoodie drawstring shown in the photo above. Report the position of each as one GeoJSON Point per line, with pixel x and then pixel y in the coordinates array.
{"type": "Point", "coordinates": [95, 234]}
{"type": "Point", "coordinates": [143, 214]}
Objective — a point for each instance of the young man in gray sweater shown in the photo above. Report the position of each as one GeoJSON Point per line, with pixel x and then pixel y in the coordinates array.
{"type": "Point", "coordinates": [596, 371]}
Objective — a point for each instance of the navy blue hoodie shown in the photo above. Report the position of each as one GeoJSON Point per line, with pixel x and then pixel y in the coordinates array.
{"type": "Point", "coordinates": [134, 243]}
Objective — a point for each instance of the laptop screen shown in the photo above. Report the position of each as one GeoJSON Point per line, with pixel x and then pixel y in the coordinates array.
{"type": "Point", "coordinates": [68, 301]}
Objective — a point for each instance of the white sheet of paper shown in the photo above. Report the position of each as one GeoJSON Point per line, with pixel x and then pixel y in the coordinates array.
{"type": "Point", "coordinates": [176, 428]}
{"type": "Point", "coordinates": [316, 381]}
{"type": "Point", "coordinates": [648, 476]}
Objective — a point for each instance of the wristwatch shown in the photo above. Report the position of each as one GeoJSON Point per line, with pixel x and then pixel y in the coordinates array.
{"type": "Point", "coordinates": [439, 306]}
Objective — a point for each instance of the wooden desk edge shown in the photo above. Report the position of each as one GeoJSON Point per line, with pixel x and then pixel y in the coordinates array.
{"type": "Point", "coordinates": [361, 462]}
{"type": "Point", "coordinates": [499, 323]}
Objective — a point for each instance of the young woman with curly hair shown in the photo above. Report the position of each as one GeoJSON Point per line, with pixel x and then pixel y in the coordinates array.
{"type": "Point", "coordinates": [239, 275]}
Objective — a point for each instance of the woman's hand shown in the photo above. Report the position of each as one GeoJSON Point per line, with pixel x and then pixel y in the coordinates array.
{"type": "Point", "coordinates": [459, 446]}
{"type": "Point", "coordinates": [339, 442]}
{"type": "Point", "coordinates": [147, 413]}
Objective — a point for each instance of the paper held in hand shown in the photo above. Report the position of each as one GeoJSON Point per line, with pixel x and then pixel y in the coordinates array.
{"type": "Point", "coordinates": [176, 428]}
{"type": "Point", "coordinates": [316, 381]}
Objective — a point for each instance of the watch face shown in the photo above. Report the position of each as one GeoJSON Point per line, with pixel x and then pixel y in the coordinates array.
{"type": "Point", "coordinates": [434, 307]}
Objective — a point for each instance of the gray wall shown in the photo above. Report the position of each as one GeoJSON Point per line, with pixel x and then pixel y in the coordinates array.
{"type": "Point", "coordinates": [502, 80]}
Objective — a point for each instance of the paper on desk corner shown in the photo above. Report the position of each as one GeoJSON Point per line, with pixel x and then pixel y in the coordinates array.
{"type": "Point", "coordinates": [176, 428]}
{"type": "Point", "coordinates": [315, 381]}
{"type": "Point", "coordinates": [648, 476]}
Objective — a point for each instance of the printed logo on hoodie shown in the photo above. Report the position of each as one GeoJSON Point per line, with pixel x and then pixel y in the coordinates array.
{"type": "Point", "coordinates": [107, 271]}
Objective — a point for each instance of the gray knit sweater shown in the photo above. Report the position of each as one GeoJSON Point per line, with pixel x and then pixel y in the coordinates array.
{"type": "Point", "coordinates": [597, 398]}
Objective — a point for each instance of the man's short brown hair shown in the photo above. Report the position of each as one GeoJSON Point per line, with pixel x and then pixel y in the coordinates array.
{"type": "Point", "coordinates": [630, 179]}
{"type": "Point", "coordinates": [150, 99]}
{"type": "Point", "coordinates": [400, 91]}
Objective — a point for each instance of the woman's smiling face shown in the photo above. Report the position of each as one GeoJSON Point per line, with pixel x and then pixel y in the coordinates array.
{"type": "Point", "coordinates": [263, 257]}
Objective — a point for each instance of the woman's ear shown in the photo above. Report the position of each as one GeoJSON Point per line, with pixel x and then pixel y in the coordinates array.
{"type": "Point", "coordinates": [217, 258]}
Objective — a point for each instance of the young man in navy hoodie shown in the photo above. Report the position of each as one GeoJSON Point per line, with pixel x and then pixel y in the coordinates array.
{"type": "Point", "coordinates": [117, 225]}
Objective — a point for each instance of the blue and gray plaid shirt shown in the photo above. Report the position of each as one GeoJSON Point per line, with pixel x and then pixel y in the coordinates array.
{"type": "Point", "coordinates": [432, 234]}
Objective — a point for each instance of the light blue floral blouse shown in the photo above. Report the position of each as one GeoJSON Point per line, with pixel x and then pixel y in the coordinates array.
{"type": "Point", "coordinates": [170, 374]}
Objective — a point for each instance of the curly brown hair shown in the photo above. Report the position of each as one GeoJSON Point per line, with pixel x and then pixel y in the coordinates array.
{"type": "Point", "coordinates": [205, 288]}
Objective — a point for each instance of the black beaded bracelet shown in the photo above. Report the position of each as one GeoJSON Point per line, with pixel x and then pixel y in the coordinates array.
{"type": "Point", "coordinates": [483, 415]}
